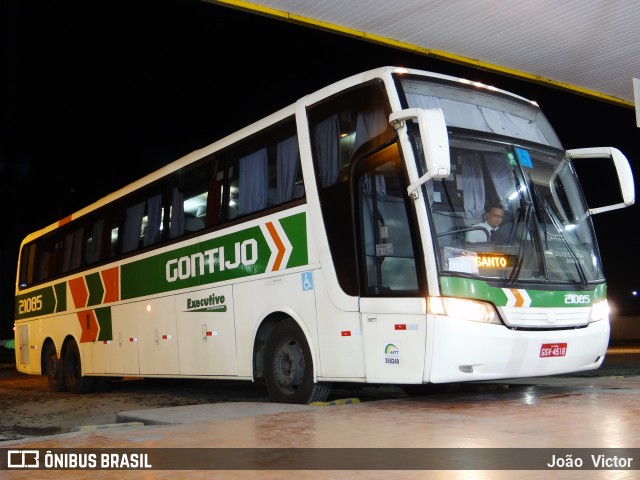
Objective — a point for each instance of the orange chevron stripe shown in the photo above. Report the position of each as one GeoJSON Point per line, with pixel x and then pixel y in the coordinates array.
{"type": "Point", "coordinates": [89, 326]}
{"type": "Point", "coordinates": [519, 298]}
{"type": "Point", "coordinates": [110, 279]}
{"type": "Point", "coordinates": [79, 292]}
{"type": "Point", "coordinates": [279, 245]}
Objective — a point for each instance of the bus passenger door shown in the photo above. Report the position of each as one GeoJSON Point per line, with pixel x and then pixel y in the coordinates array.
{"type": "Point", "coordinates": [206, 332]}
{"type": "Point", "coordinates": [392, 308]}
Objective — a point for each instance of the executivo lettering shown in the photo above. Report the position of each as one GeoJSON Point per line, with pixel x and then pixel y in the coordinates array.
{"type": "Point", "coordinates": [212, 303]}
{"type": "Point", "coordinates": [201, 263]}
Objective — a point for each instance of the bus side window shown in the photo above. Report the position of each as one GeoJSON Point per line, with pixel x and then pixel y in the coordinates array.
{"type": "Point", "coordinates": [72, 250]}
{"type": "Point", "coordinates": [101, 240]}
{"type": "Point", "coordinates": [190, 200]}
{"type": "Point", "coordinates": [288, 174]}
{"type": "Point", "coordinates": [132, 227]}
{"type": "Point", "coordinates": [176, 213]}
{"type": "Point", "coordinates": [327, 149]}
{"type": "Point", "coordinates": [93, 244]}
{"type": "Point", "coordinates": [152, 221]}
{"type": "Point", "coordinates": [143, 223]}
{"type": "Point", "coordinates": [47, 258]}
{"type": "Point", "coordinates": [264, 172]}
{"type": "Point", "coordinates": [27, 265]}
{"type": "Point", "coordinates": [114, 237]}
{"type": "Point", "coordinates": [215, 196]}
{"type": "Point", "coordinates": [251, 182]}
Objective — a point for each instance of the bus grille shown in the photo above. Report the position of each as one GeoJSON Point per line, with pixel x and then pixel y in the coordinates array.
{"type": "Point", "coordinates": [542, 317]}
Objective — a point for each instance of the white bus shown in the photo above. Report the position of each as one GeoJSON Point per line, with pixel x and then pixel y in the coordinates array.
{"type": "Point", "coordinates": [327, 243]}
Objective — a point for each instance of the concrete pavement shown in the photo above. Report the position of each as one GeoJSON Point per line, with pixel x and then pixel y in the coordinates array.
{"type": "Point", "coordinates": [503, 422]}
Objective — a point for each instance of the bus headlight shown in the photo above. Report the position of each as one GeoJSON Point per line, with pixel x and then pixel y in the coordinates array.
{"type": "Point", "coordinates": [599, 311]}
{"type": "Point", "coordinates": [464, 309]}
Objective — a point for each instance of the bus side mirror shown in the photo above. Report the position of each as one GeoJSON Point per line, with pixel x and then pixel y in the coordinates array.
{"type": "Point", "coordinates": [623, 169]}
{"type": "Point", "coordinates": [435, 142]}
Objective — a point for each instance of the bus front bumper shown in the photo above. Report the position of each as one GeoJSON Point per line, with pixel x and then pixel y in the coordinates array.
{"type": "Point", "coordinates": [464, 351]}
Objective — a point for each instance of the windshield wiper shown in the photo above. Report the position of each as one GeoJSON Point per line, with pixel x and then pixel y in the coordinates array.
{"type": "Point", "coordinates": [539, 201]}
{"type": "Point", "coordinates": [515, 272]}
{"type": "Point", "coordinates": [526, 230]}
{"type": "Point", "coordinates": [584, 283]}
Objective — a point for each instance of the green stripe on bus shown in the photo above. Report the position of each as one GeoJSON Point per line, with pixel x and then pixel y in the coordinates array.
{"type": "Point", "coordinates": [43, 301]}
{"type": "Point", "coordinates": [103, 317]}
{"type": "Point", "coordinates": [236, 255]}
{"type": "Point", "coordinates": [61, 296]}
{"type": "Point", "coordinates": [481, 290]}
{"type": "Point", "coordinates": [231, 256]}
{"type": "Point", "coordinates": [295, 227]}
{"type": "Point", "coordinates": [96, 289]}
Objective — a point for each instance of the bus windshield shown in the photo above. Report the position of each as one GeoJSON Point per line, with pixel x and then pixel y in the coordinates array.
{"type": "Point", "coordinates": [508, 163]}
{"type": "Point", "coordinates": [544, 232]}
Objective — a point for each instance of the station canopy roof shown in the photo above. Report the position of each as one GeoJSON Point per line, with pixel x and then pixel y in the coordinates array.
{"type": "Point", "coordinates": [591, 47]}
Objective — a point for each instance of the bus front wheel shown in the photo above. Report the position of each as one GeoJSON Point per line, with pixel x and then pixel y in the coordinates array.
{"type": "Point", "coordinates": [53, 369]}
{"type": "Point", "coordinates": [76, 383]}
{"type": "Point", "coordinates": [289, 367]}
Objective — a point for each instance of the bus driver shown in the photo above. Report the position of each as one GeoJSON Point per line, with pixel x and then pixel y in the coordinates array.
{"type": "Point", "coordinates": [494, 216]}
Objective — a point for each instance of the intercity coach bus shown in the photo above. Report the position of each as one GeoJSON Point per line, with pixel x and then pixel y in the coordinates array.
{"type": "Point", "coordinates": [327, 243]}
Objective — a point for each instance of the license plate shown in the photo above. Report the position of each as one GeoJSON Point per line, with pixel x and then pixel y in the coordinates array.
{"type": "Point", "coordinates": [553, 350]}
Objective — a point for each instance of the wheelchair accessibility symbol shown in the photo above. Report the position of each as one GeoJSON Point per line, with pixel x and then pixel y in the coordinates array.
{"type": "Point", "coordinates": [307, 281]}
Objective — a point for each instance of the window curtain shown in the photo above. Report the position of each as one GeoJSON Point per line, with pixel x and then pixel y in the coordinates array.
{"type": "Point", "coordinates": [369, 124]}
{"type": "Point", "coordinates": [72, 250]}
{"type": "Point", "coordinates": [253, 182]}
{"type": "Point", "coordinates": [484, 119]}
{"type": "Point", "coordinates": [132, 227]}
{"type": "Point", "coordinates": [472, 186]}
{"type": "Point", "coordinates": [456, 114]}
{"type": "Point", "coordinates": [154, 220]}
{"type": "Point", "coordinates": [327, 144]}
{"type": "Point", "coordinates": [512, 125]}
{"type": "Point", "coordinates": [176, 225]}
{"type": "Point", "coordinates": [501, 176]}
{"type": "Point", "coordinates": [288, 161]}
{"type": "Point", "coordinates": [94, 248]}
{"type": "Point", "coordinates": [44, 262]}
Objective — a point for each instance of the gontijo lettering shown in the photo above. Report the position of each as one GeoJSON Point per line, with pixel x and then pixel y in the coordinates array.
{"type": "Point", "coordinates": [201, 263]}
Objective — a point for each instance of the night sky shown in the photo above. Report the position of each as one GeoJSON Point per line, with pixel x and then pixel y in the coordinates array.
{"type": "Point", "coordinates": [98, 94]}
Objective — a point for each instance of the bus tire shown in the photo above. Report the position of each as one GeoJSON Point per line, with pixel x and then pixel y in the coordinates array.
{"type": "Point", "coordinates": [76, 383]}
{"type": "Point", "coordinates": [53, 369]}
{"type": "Point", "coordinates": [289, 367]}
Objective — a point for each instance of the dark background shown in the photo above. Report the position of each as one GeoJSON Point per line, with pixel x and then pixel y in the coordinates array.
{"type": "Point", "coordinates": [98, 94]}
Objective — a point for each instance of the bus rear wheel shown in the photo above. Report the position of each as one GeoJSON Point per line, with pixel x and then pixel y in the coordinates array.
{"type": "Point", "coordinates": [53, 369]}
{"type": "Point", "coordinates": [289, 367]}
{"type": "Point", "coordinates": [76, 383]}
